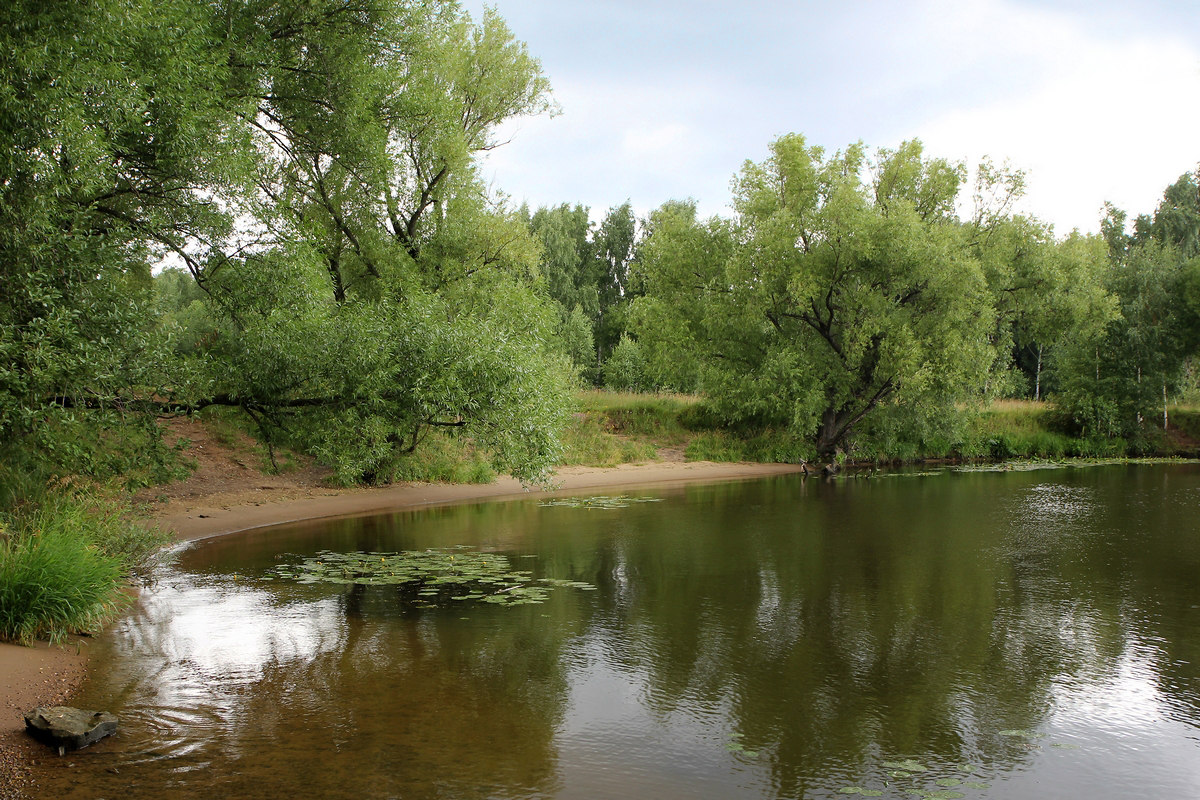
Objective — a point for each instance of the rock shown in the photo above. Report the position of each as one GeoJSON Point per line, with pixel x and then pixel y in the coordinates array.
{"type": "Point", "coordinates": [69, 728]}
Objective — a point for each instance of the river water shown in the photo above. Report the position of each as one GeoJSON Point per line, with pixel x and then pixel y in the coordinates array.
{"type": "Point", "coordinates": [1011, 634]}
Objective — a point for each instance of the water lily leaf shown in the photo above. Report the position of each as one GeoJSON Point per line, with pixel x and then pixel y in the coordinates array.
{"type": "Point", "coordinates": [1064, 745]}
{"type": "Point", "coordinates": [851, 790]}
{"type": "Point", "coordinates": [976, 785]}
{"type": "Point", "coordinates": [948, 782]}
{"type": "Point", "coordinates": [944, 794]}
{"type": "Point", "coordinates": [446, 574]}
{"type": "Point", "coordinates": [899, 773]}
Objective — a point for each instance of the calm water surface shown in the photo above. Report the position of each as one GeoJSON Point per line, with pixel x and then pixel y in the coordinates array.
{"type": "Point", "coordinates": [1026, 634]}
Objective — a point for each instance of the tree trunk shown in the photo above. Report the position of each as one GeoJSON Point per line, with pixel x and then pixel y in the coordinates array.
{"type": "Point", "coordinates": [1164, 405]}
{"type": "Point", "coordinates": [829, 435]}
{"type": "Point", "coordinates": [1037, 377]}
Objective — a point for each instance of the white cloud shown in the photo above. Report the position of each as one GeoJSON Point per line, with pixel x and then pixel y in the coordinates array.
{"type": "Point", "coordinates": [1092, 109]}
{"type": "Point", "coordinates": [1104, 120]}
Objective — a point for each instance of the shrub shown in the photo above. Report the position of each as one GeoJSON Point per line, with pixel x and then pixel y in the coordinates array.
{"type": "Point", "coordinates": [625, 369]}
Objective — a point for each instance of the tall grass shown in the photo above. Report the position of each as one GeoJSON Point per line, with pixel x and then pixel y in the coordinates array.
{"type": "Point", "coordinates": [51, 584]}
{"type": "Point", "coordinates": [63, 565]}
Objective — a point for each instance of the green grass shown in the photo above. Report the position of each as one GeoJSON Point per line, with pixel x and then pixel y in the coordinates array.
{"type": "Point", "coordinates": [441, 458]}
{"type": "Point", "coordinates": [1187, 421]}
{"type": "Point", "coordinates": [64, 563]}
{"type": "Point", "coordinates": [587, 441]}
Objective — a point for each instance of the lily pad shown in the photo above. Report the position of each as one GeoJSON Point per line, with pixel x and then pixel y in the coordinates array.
{"type": "Point", "coordinates": [598, 501]}
{"type": "Point", "coordinates": [430, 576]}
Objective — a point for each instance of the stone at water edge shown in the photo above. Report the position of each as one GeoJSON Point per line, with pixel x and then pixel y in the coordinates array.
{"type": "Point", "coordinates": [69, 728]}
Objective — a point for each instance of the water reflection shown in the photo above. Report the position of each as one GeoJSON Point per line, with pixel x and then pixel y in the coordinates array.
{"type": "Point", "coordinates": [770, 639]}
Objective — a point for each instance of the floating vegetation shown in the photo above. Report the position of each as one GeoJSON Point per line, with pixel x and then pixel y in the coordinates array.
{"type": "Point", "coordinates": [429, 577]}
{"type": "Point", "coordinates": [908, 765]}
{"type": "Point", "coordinates": [861, 791]}
{"type": "Point", "coordinates": [734, 745]}
{"type": "Point", "coordinates": [599, 501]}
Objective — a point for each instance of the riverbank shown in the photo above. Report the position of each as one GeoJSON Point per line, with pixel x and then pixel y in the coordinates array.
{"type": "Point", "coordinates": [42, 675]}
{"type": "Point", "coordinates": [48, 675]}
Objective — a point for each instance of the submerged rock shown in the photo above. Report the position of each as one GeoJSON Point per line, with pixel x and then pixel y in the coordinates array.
{"type": "Point", "coordinates": [69, 728]}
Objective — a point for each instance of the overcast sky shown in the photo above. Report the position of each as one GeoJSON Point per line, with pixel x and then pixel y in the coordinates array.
{"type": "Point", "coordinates": [1095, 100]}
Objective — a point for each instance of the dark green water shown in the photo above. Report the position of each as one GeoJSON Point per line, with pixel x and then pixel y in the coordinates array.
{"type": "Point", "coordinates": [1029, 634]}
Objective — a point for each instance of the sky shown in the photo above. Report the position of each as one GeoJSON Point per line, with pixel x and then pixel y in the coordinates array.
{"type": "Point", "coordinates": [666, 99]}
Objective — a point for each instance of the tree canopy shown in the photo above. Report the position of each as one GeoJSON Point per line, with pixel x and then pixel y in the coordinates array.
{"type": "Point", "coordinates": [312, 166]}
{"type": "Point", "coordinates": [829, 295]}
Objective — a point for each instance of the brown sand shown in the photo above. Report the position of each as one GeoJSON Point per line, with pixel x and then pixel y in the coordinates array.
{"type": "Point", "coordinates": [211, 503]}
{"type": "Point", "coordinates": [42, 675]}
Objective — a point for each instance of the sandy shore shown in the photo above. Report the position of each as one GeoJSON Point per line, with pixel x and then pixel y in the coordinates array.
{"type": "Point", "coordinates": [203, 519]}
{"type": "Point", "coordinates": [46, 675]}
{"type": "Point", "coordinates": [42, 675]}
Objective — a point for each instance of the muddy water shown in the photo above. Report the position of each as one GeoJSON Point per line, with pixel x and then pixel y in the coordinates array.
{"type": "Point", "coordinates": [1000, 635]}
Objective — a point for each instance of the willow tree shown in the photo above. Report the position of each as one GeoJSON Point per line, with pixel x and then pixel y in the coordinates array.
{"type": "Point", "coordinates": [313, 166]}
{"type": "Point", "coordinates": [833, 295]}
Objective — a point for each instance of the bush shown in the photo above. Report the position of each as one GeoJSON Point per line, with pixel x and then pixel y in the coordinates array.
{"type": "Point", "coordinates": [625, 369]}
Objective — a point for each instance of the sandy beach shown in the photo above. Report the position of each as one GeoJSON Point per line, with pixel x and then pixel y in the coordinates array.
{"type": "Point", "coordinates": [48, 674]}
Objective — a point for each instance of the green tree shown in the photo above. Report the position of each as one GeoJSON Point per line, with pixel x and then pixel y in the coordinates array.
{"type": "Point", "coordinates": [838, 294]}
{"type": "Point", "coordinates": [625, 369]}
{"type": "Point", "coordinates": [313, 167]}
{"type": "Point", "coordinates": [615, 243]}
{"type": "Point", "coordinates": [1119, 379]}
{"type": "Point", "coordinates": [568, 258]}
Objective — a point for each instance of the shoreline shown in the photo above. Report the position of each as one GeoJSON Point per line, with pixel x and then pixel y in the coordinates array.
{"type": "Point", "coordinates": [205, 519]}
{"type": "Point", "coordinates": [45, 674]}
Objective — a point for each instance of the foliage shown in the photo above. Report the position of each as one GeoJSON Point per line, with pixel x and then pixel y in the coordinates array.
{"type": "Point", "coordinates": [575, 333]}
{"type": "Point", "coordinates": [830, 296]}
{"type": "Point", "coordinates": [312, 167]}
{"type": "Point", "coordinates": [625, 370]}
{"type": "Point", "coordinates": [1120, 378]}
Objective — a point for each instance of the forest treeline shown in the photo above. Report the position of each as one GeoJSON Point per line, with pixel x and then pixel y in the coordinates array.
{"type": "Point", "coordinates": [277, 207]}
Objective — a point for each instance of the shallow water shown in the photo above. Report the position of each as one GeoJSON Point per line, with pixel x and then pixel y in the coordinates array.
{"type": "Point", "coordinates": [1026, 634]}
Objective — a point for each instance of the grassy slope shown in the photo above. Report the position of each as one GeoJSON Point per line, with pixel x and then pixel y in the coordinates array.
{"type": "Point", "coordinates": [617, 427]}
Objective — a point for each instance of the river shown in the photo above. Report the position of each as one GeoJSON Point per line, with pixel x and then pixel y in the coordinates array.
{"type": "Point", "coordinates": [990, 634]}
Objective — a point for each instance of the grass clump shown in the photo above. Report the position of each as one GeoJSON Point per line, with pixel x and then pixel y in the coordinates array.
{"type": "Point", "coordinates": [51, 584]}
{"type": "Point", "coordinates": [64, 561]}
